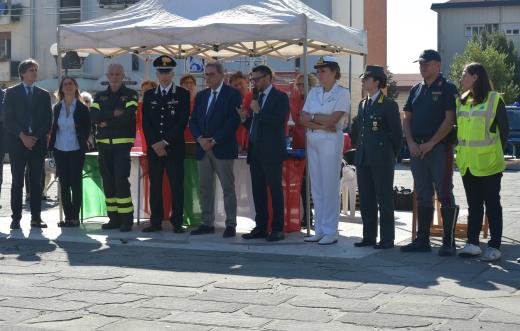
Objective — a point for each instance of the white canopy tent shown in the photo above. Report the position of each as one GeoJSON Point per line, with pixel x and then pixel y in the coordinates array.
{"type": "Point", "coordinates": [209, 28]}
{"type": "Point", "coordinates": [215, 29]}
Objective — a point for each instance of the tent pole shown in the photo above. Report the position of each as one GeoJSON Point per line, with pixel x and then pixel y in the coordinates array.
{"type": "Point", "coordinates": [307, 179]}
{"type": "Point", "coordinates": [58, 61]}
{"type": "Point", "coordinates": [146, 67]}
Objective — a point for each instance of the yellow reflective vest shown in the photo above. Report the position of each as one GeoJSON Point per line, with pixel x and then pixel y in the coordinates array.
{"type": "Point", "coordinates": [478, 149]}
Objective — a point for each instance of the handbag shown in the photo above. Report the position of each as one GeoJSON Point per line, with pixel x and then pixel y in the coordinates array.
{"type": "Point", "coordinates": [403, 198]}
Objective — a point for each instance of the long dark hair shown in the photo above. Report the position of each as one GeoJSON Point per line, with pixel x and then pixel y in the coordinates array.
{"type": "Point", "coordinates": [61, 95]}
{"type": "Point", "coordinates": [482, 86]}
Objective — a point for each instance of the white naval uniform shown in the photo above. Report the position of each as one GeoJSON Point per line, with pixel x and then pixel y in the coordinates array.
{"type": "Point", "coordinates": [325, 152]}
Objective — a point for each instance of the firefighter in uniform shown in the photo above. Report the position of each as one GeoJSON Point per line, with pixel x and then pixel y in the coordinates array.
{"type": "Point", "coordinates": [166, 110]}
{"type": "Point", "coordinates": [378, 143]}
{"type": "Point", "coordinates": [113, 111]}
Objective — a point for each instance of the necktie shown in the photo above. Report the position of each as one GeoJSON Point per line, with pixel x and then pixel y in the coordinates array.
{"type": "Point", "coordinates": [29, 105]}
{"type": "Point", "coordinates": [369, 103]}
{"type": "Point", "coordinates": [254, 124]}
{"type": "Point", "coordinates": [212, 104]}
{"type": "Point", "coordinates": [164, 93]}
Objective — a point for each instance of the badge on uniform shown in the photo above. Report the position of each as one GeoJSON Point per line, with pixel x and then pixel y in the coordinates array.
{"type": "Point", "coordinates": [375, 125]}
{"type": "Point", "coordinates": [436, 95]}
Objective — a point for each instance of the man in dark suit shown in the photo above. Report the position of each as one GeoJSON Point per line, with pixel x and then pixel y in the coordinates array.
{"type": "Point", "coordinates": [28, 119]}
{"type": "Point", "coordinates": [267, 150]}
{"type": "Point", "coordinates": [166, 110]}
{"type": "Point", "coordinates": [213, 124]}
{"type": "Point", "coordinates": [378, 144]}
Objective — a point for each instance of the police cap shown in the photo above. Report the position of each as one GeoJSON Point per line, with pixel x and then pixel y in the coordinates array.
{"type": "Point", "coordinates": [374, 71]}
{"type": "Point", "coordinates": [429, 55]}
{"type": "Point", "coordinates": [164, 63]}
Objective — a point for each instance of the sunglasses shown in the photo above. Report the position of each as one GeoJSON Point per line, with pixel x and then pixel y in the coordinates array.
{"type": "Point", "coordinates": [256, 79]}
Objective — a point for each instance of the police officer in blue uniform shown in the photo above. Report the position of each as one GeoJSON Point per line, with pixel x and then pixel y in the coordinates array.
{"type": "Point", "coordinates": [166, 110]}
{"type": "Point", "coordinates": [378, 144]}
{"type": "Point", "coordinates": [429, 117]}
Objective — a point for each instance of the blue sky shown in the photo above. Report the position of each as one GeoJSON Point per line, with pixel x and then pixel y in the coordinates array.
{"type": "Point", "coordinates": [412, 27]}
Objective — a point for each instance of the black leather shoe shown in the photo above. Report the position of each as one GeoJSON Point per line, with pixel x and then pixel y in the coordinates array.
{"type": "Point", "coordinates": [38, 224]}
{"type": "Point", "coordinates": [417, 246]}
{"type": "Point", "coordinates": [229, 232]}
{"type": "Point", "coordinates": [111, 225]}
{"type": "Point", "coordinates": [178, 229]}
{"type": "Point", "coordinates": [384, 245]}
{"type": "Point", "coordinates": [152, 228]}
{"type": "Point", "coordinates": [275, 236]}
{"type": "Point", "coordinates": [15, 224]}
{"type": "Point", "coordinates": [203, 229]}
{"type": "Point", "coordinates": [255, 234]}
{"type": "Point", "coordinates": [365, 243]}
{"type": "Point", "coordinates": [126, 226]}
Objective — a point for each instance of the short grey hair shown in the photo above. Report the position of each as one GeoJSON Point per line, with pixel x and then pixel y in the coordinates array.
{"type": "Point", "coordinates": [112, 66]}
{"type": "Point", "coordinates": [217, 65]}
{"type": "Point", "coordinates": [87, 97]}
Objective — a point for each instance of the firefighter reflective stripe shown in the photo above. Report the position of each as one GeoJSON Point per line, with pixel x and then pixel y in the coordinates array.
{"type": "Point", "coordinates": [95, 105]}
{"type": "Point", "coordinates": [111, 200]}
{"type": "Point", "coordinates": [124, 200]}
{"type": "Point", "coordinates": [125, 210]}
{"type": "Point", "coordinates": [112, 208]}
{"type": "Point", "coordinates": [116, 141]}
{"type": "Point", "coordinates": [131, 103]}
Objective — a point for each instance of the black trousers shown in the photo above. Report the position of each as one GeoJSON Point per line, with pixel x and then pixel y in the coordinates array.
{"type": "Point", "coordinates": [114, 166]}
{"type": "Point", "coordinates": [376, 192]}
{"type": "Point", "coordinates": [482, 191]}
{"type": "Point", "coordinates": [69, 166]}
{"type": "Point", "coordinates": [267, 175]}
{"type": "Point", "coordinates": [174, 166]}
{"type": "Point", "coordinates": [303, 195]}
{"type": "Point", "coordinates": [20, 159]}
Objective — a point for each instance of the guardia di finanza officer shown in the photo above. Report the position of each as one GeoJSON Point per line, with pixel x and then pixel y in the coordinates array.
{"type": "Point", "coordinates": [113, 112]}
{"type": "Point", "coordinates": [379, 141]}
{"type": "Point", "coordinates": [165, 115]}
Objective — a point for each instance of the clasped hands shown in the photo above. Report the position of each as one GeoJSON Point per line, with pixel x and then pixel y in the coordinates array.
{"type": "Point", "coordinates": [117, 113]}
{"type": "Point", "coordinates": [420, 150]}
{"type": "Point", "coordinates": [160, 148]}
{"type": "Point", "coordinates": [28, 141]}
{"type": "Point", "coordinates": [206, 143]}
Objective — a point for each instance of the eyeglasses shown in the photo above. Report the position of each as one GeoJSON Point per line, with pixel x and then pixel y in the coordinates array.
{"type": "Point", "coordinates": [256, 79]}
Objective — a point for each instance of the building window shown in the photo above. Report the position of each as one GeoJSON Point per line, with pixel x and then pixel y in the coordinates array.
{"type": "Point", "coordinates": [70, 11]}
{"type": "Point", "coordinates": [5, 45]}
{"type": "Point", "coordinates": [476, 29]}
{"type": "Point", "coordinates": [511, 29]}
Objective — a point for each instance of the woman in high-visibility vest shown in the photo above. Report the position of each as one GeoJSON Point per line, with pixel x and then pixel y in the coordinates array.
{"type": "Point", "coordinates": [482, 131]}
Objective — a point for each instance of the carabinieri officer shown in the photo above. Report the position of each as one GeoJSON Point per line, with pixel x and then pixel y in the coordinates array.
{"type": "Point", "coordinates": [166, 110]}
{"type": "Point", "coordinates": [379, 141]}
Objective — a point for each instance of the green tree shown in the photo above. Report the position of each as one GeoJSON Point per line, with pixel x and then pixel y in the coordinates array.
{"type": "Point", "coordinates": [500, 72]}
{"type": "Point", "coordinates": [391, 85]}
{"type": "Point", "coordinates": [499, 41]}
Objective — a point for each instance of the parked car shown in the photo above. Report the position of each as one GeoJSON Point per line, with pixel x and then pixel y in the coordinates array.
{"type": "Point", "coordinates": [513, 142]}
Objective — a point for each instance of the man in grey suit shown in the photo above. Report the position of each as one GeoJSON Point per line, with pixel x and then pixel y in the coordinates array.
{"type": "Point", "coordinates": [213, 124]}
{"type": "Point", "coordinates": [378, 143]}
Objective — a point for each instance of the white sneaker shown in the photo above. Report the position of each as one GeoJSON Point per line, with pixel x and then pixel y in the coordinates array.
{"type": "Point", "coordinates": [328, 239]}
{"type": "Point", "coordinates": [491, 254]}
{"type": "Point", "coordinates": [313, 239]}
{"type": "Point", "coordinates": [470, 250]}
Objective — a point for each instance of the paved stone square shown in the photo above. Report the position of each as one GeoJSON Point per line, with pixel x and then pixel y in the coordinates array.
{"type": "Point", "coordinates": [86, 279]}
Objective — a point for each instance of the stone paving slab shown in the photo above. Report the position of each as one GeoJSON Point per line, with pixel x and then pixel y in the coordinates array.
{"type": "Point", "coordinates": [192, 305]}
{"type": "Point", "coordinates": [137, 325]}
{"type": "Point", "coordinates": [389, 321]}
{"type": "Point", "coordinates": [218, 319]}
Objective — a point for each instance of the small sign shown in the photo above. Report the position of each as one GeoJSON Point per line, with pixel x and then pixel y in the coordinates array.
{"type": "Point", "coordinates": [195, 64]}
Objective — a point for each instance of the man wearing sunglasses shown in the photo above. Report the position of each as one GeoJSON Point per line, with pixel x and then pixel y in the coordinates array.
{"type": "Point", "coordinates": [266, 152]}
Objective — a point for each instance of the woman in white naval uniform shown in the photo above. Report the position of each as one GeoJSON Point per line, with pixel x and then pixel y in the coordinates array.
{"type": "Point", "coordinates": [323, 115]}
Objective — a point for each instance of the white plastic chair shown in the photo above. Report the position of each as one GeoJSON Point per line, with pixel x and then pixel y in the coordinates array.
{"type": "Point", "coordinates": [348, 188]}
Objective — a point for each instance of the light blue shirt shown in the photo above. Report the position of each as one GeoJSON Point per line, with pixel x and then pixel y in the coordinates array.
{"type": "Point", "coordinates": [66, 137]}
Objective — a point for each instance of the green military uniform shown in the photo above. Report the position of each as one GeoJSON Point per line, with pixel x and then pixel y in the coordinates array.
{"type": "Point", "coordinates": [378, 144]}
{"type": "Point", "coordinates": [114, 142]}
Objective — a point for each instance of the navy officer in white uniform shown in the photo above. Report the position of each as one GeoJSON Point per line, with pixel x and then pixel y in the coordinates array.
{"type": "Point", "coordinates": [324, 117]}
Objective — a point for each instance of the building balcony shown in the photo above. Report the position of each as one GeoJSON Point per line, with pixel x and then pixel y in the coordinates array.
{"type": "Point", "coordinates": [116, 3]}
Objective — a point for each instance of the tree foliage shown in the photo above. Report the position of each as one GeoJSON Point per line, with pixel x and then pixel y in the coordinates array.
{"type": "Point", "coordinates": [501, 72]}
{"type": "Point", "coordinates": [391, 85]}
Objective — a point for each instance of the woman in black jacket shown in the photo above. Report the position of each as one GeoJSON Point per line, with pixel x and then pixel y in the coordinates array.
{"type": "Point", "coordinates": [69, 135]}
